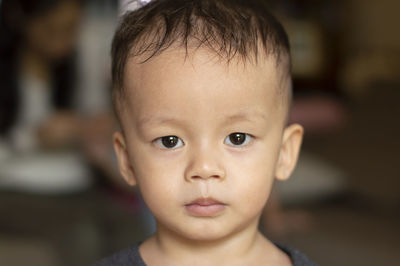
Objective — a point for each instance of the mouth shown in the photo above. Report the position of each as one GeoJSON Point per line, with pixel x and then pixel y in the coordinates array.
{"type": "Point", "coordinates": [205, 207]}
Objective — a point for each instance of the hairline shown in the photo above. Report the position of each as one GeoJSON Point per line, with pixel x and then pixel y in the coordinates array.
{"type": "Point", "coordinates": [284, 90]}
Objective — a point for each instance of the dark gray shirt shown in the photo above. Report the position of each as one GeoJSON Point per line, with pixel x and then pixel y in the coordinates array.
{"type": "Point", "coordinates": [131, 257]}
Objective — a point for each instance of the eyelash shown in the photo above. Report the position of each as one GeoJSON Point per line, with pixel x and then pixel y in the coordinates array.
{"type": "Point", "coordinates": [176, 142]}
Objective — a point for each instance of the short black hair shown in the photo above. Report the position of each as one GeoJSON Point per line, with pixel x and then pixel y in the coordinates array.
{"type": "Point", "coordinates": [230, 28]}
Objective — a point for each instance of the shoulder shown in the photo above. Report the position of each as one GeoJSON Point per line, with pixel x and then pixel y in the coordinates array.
{"type": "Point", "coordinates": [298, 258]}
{"type": "Point", "coordinates": [125, 257]}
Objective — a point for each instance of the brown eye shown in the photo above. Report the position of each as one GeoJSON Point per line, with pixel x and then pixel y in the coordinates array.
{"type": "Point", "coordinates": [237, 139]}
{"type": "Point", "coordinates": [169, 142]}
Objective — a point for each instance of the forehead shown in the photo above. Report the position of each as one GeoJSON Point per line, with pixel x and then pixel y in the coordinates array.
{"type": "Point", "coordinates": [200, 82]}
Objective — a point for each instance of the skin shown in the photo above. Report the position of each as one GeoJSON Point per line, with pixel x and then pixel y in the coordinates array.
{"type": "Point", "coordinates": [202, 100]}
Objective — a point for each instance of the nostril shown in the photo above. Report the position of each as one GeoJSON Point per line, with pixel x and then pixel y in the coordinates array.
{"type": "Point", "coordinates": [202, 169]}
{"type": "Point", "coordinates": [205, 176]}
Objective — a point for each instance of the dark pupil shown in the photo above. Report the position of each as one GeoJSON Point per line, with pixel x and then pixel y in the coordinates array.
{"type": "Point", "coordinates": [237, 138]}
{"type": "Point", "coordinates": [169, 141]}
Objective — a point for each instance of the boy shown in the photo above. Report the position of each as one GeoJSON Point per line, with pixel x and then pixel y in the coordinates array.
{"type": "Point", "coordinates": [202, 89]}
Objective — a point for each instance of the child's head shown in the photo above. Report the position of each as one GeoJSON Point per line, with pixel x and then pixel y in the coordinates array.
{"type": "Point", "coordinates": [202, 91]}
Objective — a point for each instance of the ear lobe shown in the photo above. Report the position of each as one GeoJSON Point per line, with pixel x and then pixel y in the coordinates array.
{"type": "Point", "coordinates": [124, 164]}
{"type": "Point", "coordinates": [290, 148]}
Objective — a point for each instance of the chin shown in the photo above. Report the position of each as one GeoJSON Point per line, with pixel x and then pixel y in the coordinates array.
{"type": "Point", "coordinates": [204, 233]}
{"type": "Point", "coordinates": [205, 237]}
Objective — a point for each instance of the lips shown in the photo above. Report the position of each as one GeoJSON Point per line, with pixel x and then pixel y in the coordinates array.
{"type": "Point", "coordinates": [205, 207]}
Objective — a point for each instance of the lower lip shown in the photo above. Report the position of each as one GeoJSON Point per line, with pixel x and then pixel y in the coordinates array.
{"type": "Point", "coordinates": [205, 210]}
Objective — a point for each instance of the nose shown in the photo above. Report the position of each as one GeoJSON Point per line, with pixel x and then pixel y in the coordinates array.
{"type": "Point", "coordinates": [205, 164]}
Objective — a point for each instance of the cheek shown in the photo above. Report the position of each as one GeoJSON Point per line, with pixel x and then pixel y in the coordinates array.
{"type": "Point", "coordinates": [253, 174]}
{"type": "Point", "coordinates": [255, 167]}
{"type": "Point", "coordinates": [252, 197]}
{"type": "Point", "coordinates": [254, 192]}
{"type": "Point", "coordinates": [157, 179]}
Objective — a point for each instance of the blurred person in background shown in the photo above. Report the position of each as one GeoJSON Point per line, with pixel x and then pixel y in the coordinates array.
{"type": "Point", "coordinates": [38, 81]}
{"type": "Point", "coordinates": [47, 110]}
{"type": "Point", "coordinates": [37, 44]}
{"type": "Point", "coordinates": [56, 123]}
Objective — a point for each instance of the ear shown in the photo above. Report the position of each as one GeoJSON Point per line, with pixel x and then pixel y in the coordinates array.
{"type": "Point", "coordinates": [289, 152]}
{"type": "Point", "coordinates": [124, 164]}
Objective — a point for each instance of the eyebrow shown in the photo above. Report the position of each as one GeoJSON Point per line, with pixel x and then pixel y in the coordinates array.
{"type": "Point", "coordinates": [158, 120]}
{"type": "Point", "coordinates": [250, 116]}
{"type": "Point", "coordinates": [246, 116]}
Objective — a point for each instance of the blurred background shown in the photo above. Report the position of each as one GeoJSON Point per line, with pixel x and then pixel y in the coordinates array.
{"type": "Point", "coordinates": [62, 201]}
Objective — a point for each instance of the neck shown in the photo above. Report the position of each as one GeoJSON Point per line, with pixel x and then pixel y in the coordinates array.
{"type": "Point", "coordinates": [239, 246]}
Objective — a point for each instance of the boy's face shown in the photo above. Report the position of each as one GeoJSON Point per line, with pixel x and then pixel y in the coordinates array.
{"type": "Point", "coordinates": [204, 140]}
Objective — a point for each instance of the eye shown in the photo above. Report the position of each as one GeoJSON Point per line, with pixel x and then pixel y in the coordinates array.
{"type": "Point", "coordinates": [238, 139]}
{"type": "Point", "coordinates": [169, 142]}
